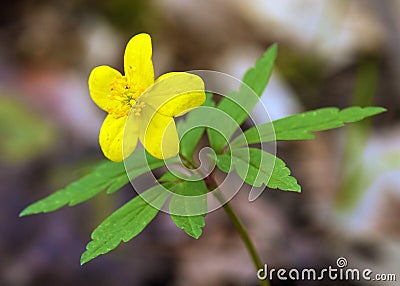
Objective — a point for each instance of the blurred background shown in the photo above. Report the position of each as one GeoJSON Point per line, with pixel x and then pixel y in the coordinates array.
{"type": "Point", "coordinates": [331, 53]}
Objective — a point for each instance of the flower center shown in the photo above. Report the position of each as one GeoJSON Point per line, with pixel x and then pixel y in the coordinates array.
{"type": "Point", "coordinates": [125, 95]}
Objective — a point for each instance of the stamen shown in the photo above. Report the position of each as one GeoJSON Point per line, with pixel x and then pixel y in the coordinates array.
{"type": "Point", "coordinates": [125, 94]}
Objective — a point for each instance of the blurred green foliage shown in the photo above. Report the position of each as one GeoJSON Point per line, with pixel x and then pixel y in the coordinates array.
{"type": "Point", "coordinates": [24, 134]}
{"type": "Point", "coordinates": [128, 16]}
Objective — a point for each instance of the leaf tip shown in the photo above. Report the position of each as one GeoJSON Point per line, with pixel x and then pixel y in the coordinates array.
{"type": "Point", "coordinates": [27, 211]}
{"type": "Point", "coordinates": [195, 233]}
{"type": "Point", "coordinates": [85, 258]}
{"type": "Point", "coordinates": [197, 236]}
{"type": "Point", "coordinates": [376, 109]}
{"type": "Point", "coordinates": [23, 213]}
{"type": "Point", "coordinates": [272, 51]}
{"type": "Point", "coordinates": [274, 47]}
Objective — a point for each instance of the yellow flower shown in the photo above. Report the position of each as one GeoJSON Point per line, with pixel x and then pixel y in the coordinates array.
{"type": "Point", "coordinates": [139, 107]}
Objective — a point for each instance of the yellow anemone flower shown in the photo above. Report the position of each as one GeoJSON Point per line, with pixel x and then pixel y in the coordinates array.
{"type": "Point", "coordinates": [139, 107]}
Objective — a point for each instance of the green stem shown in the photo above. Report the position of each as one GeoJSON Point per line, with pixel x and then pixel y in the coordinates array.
{"type": "Point", "coordinates": [235, 221]}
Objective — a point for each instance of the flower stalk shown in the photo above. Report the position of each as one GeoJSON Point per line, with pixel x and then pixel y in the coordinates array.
{"type": "Point", "coordinates": [244, 235]}
{"type": "Point", "coordinates": [237, 223]}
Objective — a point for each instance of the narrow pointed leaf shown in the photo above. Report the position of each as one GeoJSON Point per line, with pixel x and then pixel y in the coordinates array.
{"type": "Point", "coordinates": [257, 167]}
{"type": "Point", "coordinates": [108, 176]}
{"type": "Point", "coordinates": [240, 104]}
{"type": "Point", "coordinates": [188, 204]}
{"type": "Point", "coordinates": [300, 126]}
{"type": "Point", "coordinates": [80, 190]}
{"type": "Point", "coordinates": [125, 223]}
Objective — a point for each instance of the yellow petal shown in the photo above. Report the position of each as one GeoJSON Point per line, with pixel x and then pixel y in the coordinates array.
{"type": "Point", "coordinates": [175, 93]}
{"type": "Point", "coordinates": [137, 61]}
{"type": "Point", "coordinates": [158, 134]}
{"type": "Point", "coordinates": [100, 86]}
{"type": "Point", "coordinates": [118, 137]}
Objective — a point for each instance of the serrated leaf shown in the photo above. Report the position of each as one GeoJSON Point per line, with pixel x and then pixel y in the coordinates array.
{"type": "Point", "coordinates": [281, 179]}
{"type": "Point", "coordinates": [257, 167]}
{"type": "Point", "coordinates": [258, 76]}
{"type": "Point", "coordinates": [80, 190]}
{"type": "Point", "coordinates": [189, 198]}
{"type": "Point", "coordinates": [239, 105]}
{"type": "Point", "coordinates": [125, 223]}
{"type": "Point", "coordinates": [192, 225]}
{"type": "Point", "coordinates": [139, 163]}
{"type": "Point", "coordinates": [192, 137]}
{"type": "Point", "coordinates": [117, 184]}
{"type": "Point", "coordinates": [188, 204]}
{"type": "Point", "coordinates": [108, 176]}
{"type": "Point", "coordinates": [300, 126]}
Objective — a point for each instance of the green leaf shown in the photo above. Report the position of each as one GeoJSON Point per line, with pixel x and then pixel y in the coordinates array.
{"type": "Point", "coordinates": [81, 190]}
{"type": "Point", "coordinates": [189, 198]}
{"type": "Point", "coordinates": [188, 204]}
{"type": "Point", "coordinates": [257, 167]}
{"type": "Point", "coordinates": [139, 163]}
{"type": "Point", "coordinates": [108, 176]}
{"type": "Point", "coordinates": [192, 137]}
{"type": "Point", "coordinates": [299, 126]}
{"type": "Point", "coordinates": [125, 223]}
{"type": "Point", "coordinates": [239, 104]}
{"type": "Point", "coordinates": [281, 179]}
{"type": "Point", "coordinates": [192, 225]}
{"type": "Point", "coordinates": [258, 77]}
